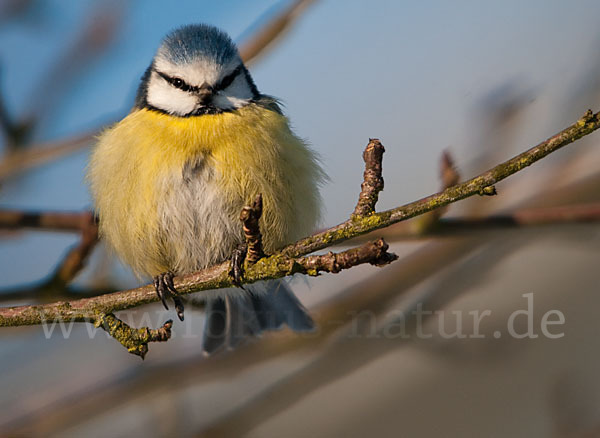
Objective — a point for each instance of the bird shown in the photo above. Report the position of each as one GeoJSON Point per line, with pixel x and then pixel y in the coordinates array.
{"type": "Point", "coordinates": [170, 179]}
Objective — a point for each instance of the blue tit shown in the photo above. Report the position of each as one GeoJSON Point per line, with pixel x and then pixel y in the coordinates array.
{"type": "Point", "coordinates": [170, 179]}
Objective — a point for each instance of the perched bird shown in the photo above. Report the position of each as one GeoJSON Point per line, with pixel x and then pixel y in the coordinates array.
{"type": "Point", "coordinates": [170, 179]}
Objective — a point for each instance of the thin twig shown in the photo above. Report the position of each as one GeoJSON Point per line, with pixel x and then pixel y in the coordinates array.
{"type": "Point", "coordinates": [71, 264]}
{"type": "Point", "coordinates": [14, 132]}
{"type": "Point", "coordinates": [530, 217]}
{"type": "Point", "coordinates": [273, 30]}
{"type": "Point", "coordinates": [36, 155]}
{"type": "Point", "coordinates": [565, 214]}
{"type": "Point", "coordinates": [97, 33]}
{"type": "Point", "coordinates": [45, 220]}
{"type": "Point", "coordinates": [45, 291]}
{"type": "Point", "coordinates": [75, 259]}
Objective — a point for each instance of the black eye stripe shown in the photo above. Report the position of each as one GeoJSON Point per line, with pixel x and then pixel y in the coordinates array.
{"type": "Point", "coordinates": [228, 80]}
{"type": "Point", "coordinates": [182, 85]}
{"type": "Point", "coordinates": [176, 82]}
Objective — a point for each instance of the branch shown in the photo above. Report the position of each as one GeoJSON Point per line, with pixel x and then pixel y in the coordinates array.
{"type": "Point", "coordinates": [46, 220]}
{"type": "Point", "coordinates": [44, 291]}
{"type": "Point", "coordinates": [36, 155]}
{"type": "Point", "coordinates": [216, 277]}
{"type": "Point", "coordinates": [102, 24]}
{"type": "Point", "coordinates": [289, 261]}
{"type": "Point", "coordinates": [274, 29]}
{"type": "Point", "coordinates": [72, 263]}
{"type": "Point", "coordinates": [330, 317]}
{"type": "Point", "coordinates": [569, 214]}
{"type": "Point", "coordinates": [75, 259]}
{"type": "Point", "coordinates": [479, 185]}
{"type": "Point", "coordinates": [14, 132]}
{"type": "Point", "coordinates": [530, 217]}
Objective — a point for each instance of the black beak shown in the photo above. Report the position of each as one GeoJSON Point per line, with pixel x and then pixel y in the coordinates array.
{"type": "Point", "coordinates": [205, 94]}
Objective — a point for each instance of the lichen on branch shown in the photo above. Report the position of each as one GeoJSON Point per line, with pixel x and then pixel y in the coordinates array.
{"type": "Point", "coordinates": [135, 340]}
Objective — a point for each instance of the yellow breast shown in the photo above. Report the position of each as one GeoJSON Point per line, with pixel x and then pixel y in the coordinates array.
{"type": "Point", "coordinates": [158, 220]}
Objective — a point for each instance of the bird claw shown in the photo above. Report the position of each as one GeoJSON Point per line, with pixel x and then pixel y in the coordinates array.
{"type": "Point", "coordinates": [163, 284]}
{"type": "Point", "coordinates": [178, 307]}
{"type": "Point", "coordinates": [237, 265]}
{"type": "Point", "coordinates": [161, 291]}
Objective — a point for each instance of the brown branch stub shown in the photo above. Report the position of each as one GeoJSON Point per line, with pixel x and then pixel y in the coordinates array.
{"type": "Point", "coordinates": [250, 216]}
{"type": "Point", "coordinates": [135, 340]}
{"type": "Point", "coordinates": [374, 253]}
{"type": "Point", "coordinates": [449, 175]}
{"type": "Point", "coordinates": [372, 179]}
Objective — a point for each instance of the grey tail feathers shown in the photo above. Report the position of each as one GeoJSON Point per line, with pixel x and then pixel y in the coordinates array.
{"type": "Point", "coordinates": [233, 318]}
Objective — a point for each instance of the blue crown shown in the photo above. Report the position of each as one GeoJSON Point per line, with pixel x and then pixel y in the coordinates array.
{"type": "Point", "coordinates": [188, 43]}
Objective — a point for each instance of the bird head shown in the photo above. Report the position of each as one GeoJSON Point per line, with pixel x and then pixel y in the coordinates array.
{"type": "Point", "coordinates": [196, 70]}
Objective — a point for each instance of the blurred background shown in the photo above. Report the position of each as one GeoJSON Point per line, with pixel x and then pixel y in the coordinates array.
{"type": "Point", "coordinates": [480, 80]}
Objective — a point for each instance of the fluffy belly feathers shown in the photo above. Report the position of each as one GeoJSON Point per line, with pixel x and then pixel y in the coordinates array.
{"type": "Point", "coordinates": [169, 190]}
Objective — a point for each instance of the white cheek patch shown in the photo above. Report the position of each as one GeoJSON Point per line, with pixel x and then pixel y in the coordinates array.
{"type": "Point", "coordinates": [168, 98]}
{"type": "Point", "coordinates": [236, 95]}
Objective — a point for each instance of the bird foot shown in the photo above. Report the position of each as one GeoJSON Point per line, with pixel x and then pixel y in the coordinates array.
{"type": "Point", "coordinates": [163, 284]}
{"type": "Point", "coordinates": [237, 265]}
